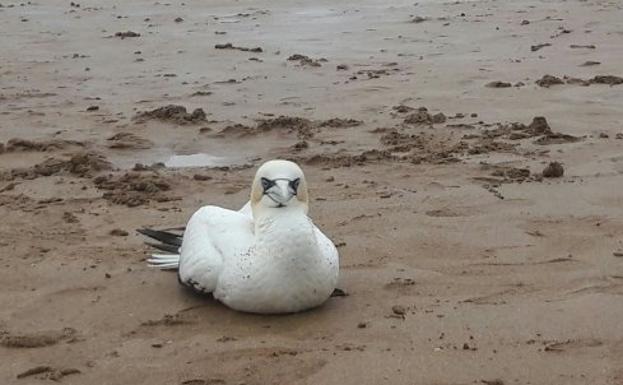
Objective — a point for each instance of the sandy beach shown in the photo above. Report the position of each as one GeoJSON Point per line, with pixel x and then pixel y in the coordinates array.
{"type": "Point", "coordinates": [466, 157]}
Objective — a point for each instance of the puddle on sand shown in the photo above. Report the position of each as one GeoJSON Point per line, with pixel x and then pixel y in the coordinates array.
{"type": "Point", "coordinates": [201, 160]}
{"type": "Point", "coordinates": [166, 157]}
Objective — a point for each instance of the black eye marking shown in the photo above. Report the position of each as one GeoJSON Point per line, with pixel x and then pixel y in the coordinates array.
{"type": "Point", "coordinates": [294, 185]}
{"type": "Point", "coordinates": [267, 183]}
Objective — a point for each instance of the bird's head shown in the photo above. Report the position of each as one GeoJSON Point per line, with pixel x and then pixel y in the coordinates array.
{"type": "Point", "coordinates": [279, 185]}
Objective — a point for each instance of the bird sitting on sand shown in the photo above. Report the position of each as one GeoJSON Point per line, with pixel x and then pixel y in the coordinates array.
{"type": "Point", "coordinates": [268, 257]}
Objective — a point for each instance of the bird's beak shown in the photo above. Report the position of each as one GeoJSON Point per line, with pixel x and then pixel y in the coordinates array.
{"type": "Point", "coordinates": [282, 193]}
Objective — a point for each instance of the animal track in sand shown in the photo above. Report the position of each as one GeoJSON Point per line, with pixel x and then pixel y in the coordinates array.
{"type": "Point", "coordinates": [36, 339]}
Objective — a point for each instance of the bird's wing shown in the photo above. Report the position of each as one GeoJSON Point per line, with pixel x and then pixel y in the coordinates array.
{"type": "Point", "coordinates": [329, 253]}
{"type": "Point", "coordinates": [213, 235]}
{"type": "Point", "coordinates": [170, 242]}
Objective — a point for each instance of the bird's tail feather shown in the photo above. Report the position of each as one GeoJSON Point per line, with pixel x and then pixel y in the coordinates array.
{"type": "Point", "coordinates": [164, 261]}
{"type": "Point", "coordinates": [168, 242]}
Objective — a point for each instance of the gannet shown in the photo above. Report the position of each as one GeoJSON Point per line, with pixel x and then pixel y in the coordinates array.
{"type": "Point", "coordinates": [268, 257]}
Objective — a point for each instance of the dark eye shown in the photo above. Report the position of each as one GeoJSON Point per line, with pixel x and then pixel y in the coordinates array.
{"type": "Point", "coordinates": [267, 183]}
{"type": "Point", "coordinates": [294, 184]}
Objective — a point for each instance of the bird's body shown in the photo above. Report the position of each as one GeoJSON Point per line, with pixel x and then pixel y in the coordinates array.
{"type": "Point", "coordinates": [268, 257]}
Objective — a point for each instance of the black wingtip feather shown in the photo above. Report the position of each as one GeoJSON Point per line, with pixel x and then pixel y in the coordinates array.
{"type": "Point", "coordinates": [164, 247]}
{"type": "Point", "coordinates": [162, 236]}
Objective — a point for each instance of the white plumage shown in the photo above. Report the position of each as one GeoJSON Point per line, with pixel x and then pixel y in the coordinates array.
{"type": "Point", "coordinates": [268, 257]}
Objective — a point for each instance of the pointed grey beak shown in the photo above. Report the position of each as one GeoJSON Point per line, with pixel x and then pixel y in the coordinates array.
{"type": "Point", "coordinates": [282, 192]}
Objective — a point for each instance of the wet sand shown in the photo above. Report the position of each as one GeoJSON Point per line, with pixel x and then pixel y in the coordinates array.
{"type": "Point", "coordinates": [433, 136]}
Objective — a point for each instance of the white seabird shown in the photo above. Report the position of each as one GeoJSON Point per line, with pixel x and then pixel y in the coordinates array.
{"type": "Point", "coordinates": [268, 257]}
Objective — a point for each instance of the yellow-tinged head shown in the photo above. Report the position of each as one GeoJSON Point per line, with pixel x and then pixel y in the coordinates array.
{"type": "Point", "coordinates": [279, 184]}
